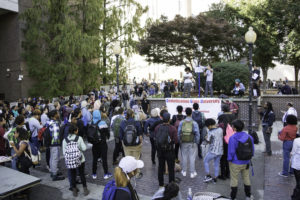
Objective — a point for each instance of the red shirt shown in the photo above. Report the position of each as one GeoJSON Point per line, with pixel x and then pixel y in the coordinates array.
{"type": "Point", "coordinates": [288, 133]}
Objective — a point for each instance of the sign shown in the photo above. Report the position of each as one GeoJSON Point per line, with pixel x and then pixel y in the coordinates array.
{"type": "Point", "coordinates": [211, 107]}
{"type": "Point", "coordinates": [199, 69]}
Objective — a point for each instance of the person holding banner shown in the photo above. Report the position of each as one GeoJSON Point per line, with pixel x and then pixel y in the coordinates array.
{"type": "Point", "coordinates": [209, 81]}
{"type": "Point", "coordinates": [187, 83]}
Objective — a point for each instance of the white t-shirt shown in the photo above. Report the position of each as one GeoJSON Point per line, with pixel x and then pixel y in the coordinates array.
{"type": "Point", "coordinates": [188, 77]}
{"type": "Point", "coordinates": [296, 154]}
{"type": "Point", "coordinates": [209, 75]}
{"type": "Point", "coordinates": [290, 111]}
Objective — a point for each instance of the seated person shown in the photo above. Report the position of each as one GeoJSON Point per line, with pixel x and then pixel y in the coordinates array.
{"type": "Point", "coordinates": [239, 88]}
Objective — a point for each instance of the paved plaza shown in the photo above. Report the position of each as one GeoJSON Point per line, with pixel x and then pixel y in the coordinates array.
{"type": "Point", "coordinates": [266, 184]}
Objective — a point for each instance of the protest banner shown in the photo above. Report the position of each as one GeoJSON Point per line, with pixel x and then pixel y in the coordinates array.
{"type": "Point", "coordinates": [209, 106]}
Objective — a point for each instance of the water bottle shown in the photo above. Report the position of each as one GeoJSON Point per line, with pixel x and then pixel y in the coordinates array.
{"type": "Point", "coordinates": [190, 194]}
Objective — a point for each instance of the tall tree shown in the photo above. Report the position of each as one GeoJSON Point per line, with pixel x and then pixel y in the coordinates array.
{"type": "Point", "coordinates": [179, 41]}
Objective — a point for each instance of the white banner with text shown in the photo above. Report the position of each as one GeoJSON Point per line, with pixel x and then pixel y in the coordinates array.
{"type": "Point", "coordinates": [211, 107]}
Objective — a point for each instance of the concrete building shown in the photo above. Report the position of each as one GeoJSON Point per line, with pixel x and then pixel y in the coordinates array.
{"type": "Point", "coordinates": [14, 81]}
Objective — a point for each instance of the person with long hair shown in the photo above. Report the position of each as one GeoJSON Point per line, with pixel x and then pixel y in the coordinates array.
{"type": "Point", "coordinates": [128, 168]}
{"type": "Point", "coordinates": [268, 117]}
{"type": "Point", "coordinates": [168, 192]}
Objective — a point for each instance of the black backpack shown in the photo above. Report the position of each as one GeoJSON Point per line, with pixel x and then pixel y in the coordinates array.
{"type": "Point", "coordinates": [244, 150]}
{"type": "Point", "coordinates": [93, 133]}
{"type": "Point", "coordinates": [130, 135]}
{"type": "Point", "coordinates": [162, 138]}
{"type": "Point", "coordinates": [199, 118]}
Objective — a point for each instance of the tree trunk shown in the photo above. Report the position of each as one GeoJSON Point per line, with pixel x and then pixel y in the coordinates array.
{"type": "Point", "coordinates": [265, 74]}
{"type": "Point", "coordinates": [296, 76]}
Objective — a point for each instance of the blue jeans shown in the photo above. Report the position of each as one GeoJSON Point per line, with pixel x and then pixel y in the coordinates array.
{"type": "Point", "coordinates": [188, 152]}
{"type": "Point", "coordinates": [208, 86]}
{"type": "Point", "coordinates": [287, 148]}
{"type": "Point", "coordinates": [14, 160]}
{"type": "Point", "coordinates": [36, 142]}
{"type": "Point", "coordinates": [211, 156]}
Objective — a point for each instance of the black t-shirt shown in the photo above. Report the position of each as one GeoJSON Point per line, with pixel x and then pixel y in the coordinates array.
{"type": "Point", "coordinates": [145, 104]}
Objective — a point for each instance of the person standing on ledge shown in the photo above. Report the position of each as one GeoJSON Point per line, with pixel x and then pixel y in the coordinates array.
{"type": "Point", "coordinates": [209, 81]}
{"type": "Point", "coordinates": [187, 83]}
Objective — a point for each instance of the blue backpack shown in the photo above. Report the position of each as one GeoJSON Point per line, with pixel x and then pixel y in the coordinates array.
{"type": "Point", "coordinates": [110, 190]}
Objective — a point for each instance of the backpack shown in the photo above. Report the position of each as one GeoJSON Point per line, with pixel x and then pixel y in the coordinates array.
{"type": "Point", "coordinates": [177, 122]}
{"type": "Point", "coordinates": [110, 190]}
{"type": "Point", "coordinates": [93, 133]}
{"type": "Point", "coordinates": [47, 136]}
{"type": "Point", "coordinates": [199, 118]}
{"type": "Point", "coordinates": [72, 154]}
{"type": "Point", "coordinates": [244, 150]}
{"type": "Point", "coordinates": [162, 138]}
{"type": "Point", "coordinates": [130, 134]}
{"type": "Point", "coordinates": [255, 137]}
{"type": "Point", "coordinates": [116, 126]}
{"type": "Point", "coordinates": [187, 132]}
{"type": "Point", "coordinates": [41, 133]}
{"type": "Point", "coordinates": [34, 154]}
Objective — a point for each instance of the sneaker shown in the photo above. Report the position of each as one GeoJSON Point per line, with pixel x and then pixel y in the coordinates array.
{"type": "Point", "coordinates": [193, 175]}
{"type": "Point", "coordinates": [283, 175]}
{"type": "Point", "coordinates": [107, 176]}
{"type": "Point", "coordinates": [249, 198]}
{"type": "Point", "coordinates": [183, 173]}
{"type": "Point", "coordinates": [94, 176]}
{"type": "Point", "coordinates": [207, 179]}
{"type": "Point", "coordinates": [58, 178]}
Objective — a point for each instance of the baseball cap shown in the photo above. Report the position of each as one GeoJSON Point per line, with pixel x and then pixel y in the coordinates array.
{"type": "Point", "coordinates": [129, 164]}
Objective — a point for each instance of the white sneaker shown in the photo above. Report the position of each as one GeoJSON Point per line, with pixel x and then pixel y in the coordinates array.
{"type": "Point", "coordinates": [183, 173]}
{"type": "Point", "coordinates": [250, 198]}
{"type": "Point", "coordinates": [193, 175]}
{"type": "Point", "coordinates": [94, 176]}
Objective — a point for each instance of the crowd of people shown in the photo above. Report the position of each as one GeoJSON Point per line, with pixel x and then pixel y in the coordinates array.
{"type": "Point", "coordinates": [68, 124]}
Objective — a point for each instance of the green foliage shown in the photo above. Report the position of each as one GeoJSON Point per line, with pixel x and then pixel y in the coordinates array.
{"type": "Point", "coordinates": [65, 52]}
{"type": "Point", "coordinates": [225, 74]}
{"type": "Point", "coordinates": [172, 42]}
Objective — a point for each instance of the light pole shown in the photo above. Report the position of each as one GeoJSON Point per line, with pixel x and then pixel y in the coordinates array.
{"type": "Point", "coordinates": [250, 38]}
{"type": "Point", "coordinates": [117, 50]}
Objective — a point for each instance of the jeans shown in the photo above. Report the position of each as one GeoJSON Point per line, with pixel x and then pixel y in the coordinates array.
{"type": "Point", "coordinates": [36, 142]}
{"type": "Point", "coordinates": [14, 160]}
{"type": "Point", "coordinates": [118, 149]}
{"type": "Point", "coordinates": [211, 156]}
{"type": "Point", "coordinates": [73, 173]}
{"type": "Point", "coordinates": [188, 151]}
{"type": "Point", "coordinates": [208, 86]}
{"type": "Point", "coordinates": [153, 149]}
{"type": "Point", "coordinates": [163, 157]}
{"type": "Point", "coordinates": [287, 148]}
{"type": "Point", "coordinates": [54, 159]}
{"type": "Point", "coordinates": [100, 150]}
{"type": "Point", "coordinates": [187, 90]}
{"type": "Point", "coordinates": [267, 138]}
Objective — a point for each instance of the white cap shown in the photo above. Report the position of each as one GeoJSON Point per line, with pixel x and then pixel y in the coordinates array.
{"type": "Point", "coordinates": [129, 164]}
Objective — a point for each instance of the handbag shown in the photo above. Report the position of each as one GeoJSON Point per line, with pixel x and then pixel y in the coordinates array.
{"type": "Point", "coordinates": [269, 130]}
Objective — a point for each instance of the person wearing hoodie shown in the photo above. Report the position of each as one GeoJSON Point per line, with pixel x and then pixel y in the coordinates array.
{"type": "Point", "coordinates": [149, 123]}
{"type": "Point", "coordinates": [237, 166]}
{"type": "Point", "coordinates": [86, 116]}
{"type": "Point", "coordinates": [189, 137]}
{"type": "Point", "coordinates": [100, 149]}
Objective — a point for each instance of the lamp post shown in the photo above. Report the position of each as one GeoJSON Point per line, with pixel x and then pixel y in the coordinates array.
{"type": "Point", "coordinates": [117, 50]}
{"type": "Point", "coordinates": [250, 38]}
